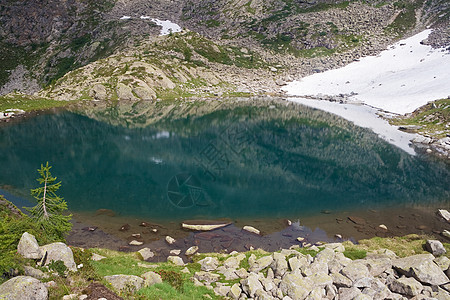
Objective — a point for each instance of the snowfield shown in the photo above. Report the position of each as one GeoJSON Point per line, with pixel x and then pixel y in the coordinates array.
{"type": "Point", "coordinates": [400, 79]}
{"type": "Point", "coordinates": [167, 26]}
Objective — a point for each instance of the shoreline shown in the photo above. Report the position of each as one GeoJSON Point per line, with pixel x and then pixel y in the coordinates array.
{"type": "Point", "coordinates": [276, 233]}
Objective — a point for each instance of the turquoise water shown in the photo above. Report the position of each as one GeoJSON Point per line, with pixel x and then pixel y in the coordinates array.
{"type": "Point", "coordinates": [235, 160]}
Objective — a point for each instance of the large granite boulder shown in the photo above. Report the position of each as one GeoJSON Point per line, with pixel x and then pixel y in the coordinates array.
{"type": "Point", "coordinates": [151, 278]}
{"type": "Point", "coordinates": [28, 246]}
{"type": "Point", "coordinates": [23, 288]}
{"type": "Point", "coordinates": [58, 251]}
{"type": "Point", "coordinates": [295, 286]}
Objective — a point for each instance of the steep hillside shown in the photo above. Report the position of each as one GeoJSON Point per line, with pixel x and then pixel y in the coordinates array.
{"type": "Point", "coordinates": [243, 45]}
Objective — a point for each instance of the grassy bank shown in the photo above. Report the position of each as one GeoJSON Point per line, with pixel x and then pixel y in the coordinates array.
{"type": "Point", "coordinates": [29, 103]}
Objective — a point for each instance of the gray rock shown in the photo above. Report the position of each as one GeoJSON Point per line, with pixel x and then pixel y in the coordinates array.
{"type": "Point", "coordinates": [58, 251]}
{"type": "Point", "coordinates": [355, 270]}
{"type": "Point", "coordinates": [340, 280]}
{"type": "Point", "coordinates": [235, 291]}
{"type": "Point", "coordinates": [279, 264]}
{"type": "Point", "coordinates": [251, 284]}
{"type": "Point", "coordinates": [206, 276]}
{"type": "Point", "coordinates": [295, 286]}
{"type": "Point", "coordinates": [176, 260]}
{"type": "Point", "coordinates": [222, 290]}
{"type": "Point", "coordinates": [28, 247]}
{"type": "Point", "coordinates": [268, 284]}
{"type": "Point", "coordinates": [421, 267]}
{"type": "Point", "coordinates": [406, 286]}
{"type": "Point", "coordinates": [377, 266]}
{"type": "Point", "coordinates": [97, 257]}
{"type": "Point", "coordinates": [445, 214]}
{"type": "Point", "coordinates": [146, 253]}
{"type": "Point", "coordinates": [252, 230]}
{"type": "Point", "coordinates": [38, 274]}
{"type": "Point", "coordinates": [261, 263]}
{"type": "Point", "coordinates": [191, 250]}
{"type": "Point", "coordinates": [151, 278]}
{"type": "Point", "coordinates": [124, 282]}
{"type": "Point", "coordinates": [209, 263]}
{"type": "Point", "coordinates": [325, 255]}
{"type": "Point", "coordinates": [435, 247]}
{"type": "Point", "coordinates": [233, 262]}
{"type": "Point", "coordinates": [23, 288]}
{"type": "Point", "coordinates": [242, 273]}
{"type": "Point", "coordinates": [98, 92]}
{"type": "Point", "coordinates": [337, 247]}
{"type": "Point", "coordinates": [349, 293]}
{"type": "Point", "coordinates": [443, 262]}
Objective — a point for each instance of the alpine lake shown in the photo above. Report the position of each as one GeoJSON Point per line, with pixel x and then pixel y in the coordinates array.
{"type": "Point", "coordinates": [236, 159]}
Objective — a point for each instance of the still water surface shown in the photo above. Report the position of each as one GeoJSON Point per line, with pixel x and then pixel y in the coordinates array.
{"type": "Point", "coordinates": [235, 160]}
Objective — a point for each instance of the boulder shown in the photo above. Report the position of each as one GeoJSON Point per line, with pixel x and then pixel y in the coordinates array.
{"type": "Point", "coordinates": [435, 247]}
{"type": "Point", "coordinates": [233, 262]}
{"type": "Point", "coordinates": [135, 243]}
{"type": "Point", "coordinates": [209, 263]}
{"type": "Point", "coordinates": [58, 251]}
{"type": "Point", "coordinates": [151, 278]}
{"type": "Point", "coordinates": [445, 214]}
{"type": "Point", "coordinates": [28, 247]}
{"type": "Point", "coordinates": [122, 282]}
{"type": "Point", "coordinates": [422, 268]}
{"type": "Point", "coordinates": [355, 270]}
{"type": "Point", "coordinates": [279, 264]}
{"type": "Point", "coordinates": [295, 286]}
{"type": "Point", "coordinates": [443, 262]}
{"type": "Point", "coordinates": [98, 91]}
{"type": "Point", "coordinates": [337, 247]}
{"type": "Point", "coordinates": [146, 253]}
{"type": "Point", "coordinates": [175, 252]}
{"type": "Point", "coordinates": [251, 284]}
{"type": "Point", "coordinates": [176, 260]}
{"type": "Point", "coordinates": [235, 291]}
{"type": "Point", "coordinates": [124, 92]}
{"type": "Point", "coordinates": [23, 288]}
{"type": "Point", "coordinates": [406, 286]}
{"type": "Point", "coordinates": [170, 240]}
{"type": "Point", "coordinates": [261, 264]}
{"type": "Point", "coordinates": [222, 290]}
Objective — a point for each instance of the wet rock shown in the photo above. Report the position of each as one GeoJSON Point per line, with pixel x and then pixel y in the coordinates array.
{"type": "Point", "coordinates": [151, 278]}
{"type": "Point", "coordinates": [170, 240]}
{"type": "Point", "coordinates": [125, 227]}
{"type": "Point", "coordinates": [23, 288]}
{"type": "Point", "coordinates": [435, 247]}
{"type": "Point", "coordinates": [146, 253]}
{"type": "Point", "coordinates": [135, 243]}
{"type": "Point", "coordinates": [58, 251]}
{"type": "Point", "coordinates": [125, 282]}
{"type": "Point", "coordinates": [191, 250]}
{"type": "Point", "coordinates": [357, 220]}
{"type": "Point", "coordinates": [252, 230]}
{"type": "Point", "coordinates": [28, 247]}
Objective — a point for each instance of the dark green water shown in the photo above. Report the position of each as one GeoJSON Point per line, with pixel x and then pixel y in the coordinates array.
{"type": "Point", "coordinates": [231, 161]}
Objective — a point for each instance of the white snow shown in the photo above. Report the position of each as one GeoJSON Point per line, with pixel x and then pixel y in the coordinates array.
{"type": "Point", "coordinates": [400, 79]}
{"type": "Point", "coordinates": [125, 18]}
{"type": "Point", "coordinates": [364, 116]}
{"type": "Point", "coordinates": [167, 26]}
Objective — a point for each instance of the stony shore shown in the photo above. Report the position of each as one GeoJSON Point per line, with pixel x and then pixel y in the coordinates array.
{"type": "Point", "coordinates": [324, 272]}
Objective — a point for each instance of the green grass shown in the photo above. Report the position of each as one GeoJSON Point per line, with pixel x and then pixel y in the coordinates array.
{"type": "Point", "coordinates": [166, 291]}
{"type": "Point", "coordinates": [30, 103]}
{"type": "Point", "coordinates": [406, 20]}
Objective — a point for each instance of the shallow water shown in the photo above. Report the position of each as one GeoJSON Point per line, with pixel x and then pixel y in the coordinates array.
{"type": "Point", "coordinates": [234, 160]}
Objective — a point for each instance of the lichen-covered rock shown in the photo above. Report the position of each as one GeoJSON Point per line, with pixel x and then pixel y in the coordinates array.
{"type": "Point", "coordinates": [279, 264]}
{"type": "Point", "coordinates": [251, 284]}
{"type": "Point", "coordinates": [125, 282]}
{"type": "Point", "coordinates": [206, 276]}
{"type": "Point", "coordinates": [209, 263]}
{"type": "Point", "coordinates": [233, 262]}
{"type": "Point", "coordinates": [151, 278]}
{"type": "Point", "coordinates": [295, 286]}
{"type": "Point", "coordinates": [421, 267]}
{"type": "Point", "coordinates": [355, 270]}
{"type": "Point", "coordinates": [406, 286]}
{"type": "Point", "coordinates": [28, 247]}
{"type": "Point", "coordinates": [191, 250]}
{"type": "Point", "coordinates": [58, 251]}
{"type": "Point", "coordinates": [261, 263]}
{"type": "Point", "coordinates": [38, 274]}
{"type": "Point", "coordinates": [235, 291]}
{"type": "Point", "coordinates": [23, 288]}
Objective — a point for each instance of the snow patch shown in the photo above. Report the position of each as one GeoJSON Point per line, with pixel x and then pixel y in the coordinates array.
{"type": "Point", "coordinates": [167, 26]}
{"type": "Point", "coordinates": [400, 79]}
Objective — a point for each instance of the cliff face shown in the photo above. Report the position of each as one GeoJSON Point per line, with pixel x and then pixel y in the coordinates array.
{"type": "Point", "coordinates": [41, 41]}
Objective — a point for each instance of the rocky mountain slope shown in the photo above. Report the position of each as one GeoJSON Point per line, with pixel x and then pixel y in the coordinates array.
{"type": "Point", "coordinates": [81, 49]}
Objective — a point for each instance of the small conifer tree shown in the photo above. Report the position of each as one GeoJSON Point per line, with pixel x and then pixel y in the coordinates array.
{"type": "Point", "coordinates": [48, 212]}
